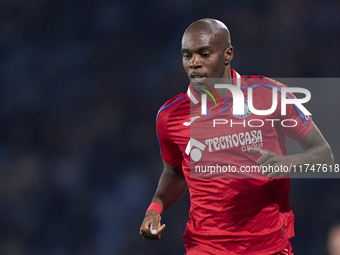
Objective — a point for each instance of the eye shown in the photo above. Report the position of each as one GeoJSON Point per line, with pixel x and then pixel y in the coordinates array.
{"type": "Point", "coordinates": [205, 54]}
{"type": "Point", "coordinates": [186, 56]}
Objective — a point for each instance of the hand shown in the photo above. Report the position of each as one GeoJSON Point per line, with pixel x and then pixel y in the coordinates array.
{"type": "Point", "coordinates": [151, 227]}
{"type": "Point", "coordinates": [273, 160]}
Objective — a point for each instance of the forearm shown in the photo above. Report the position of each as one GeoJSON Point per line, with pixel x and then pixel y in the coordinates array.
{"type": "Point", "coordinates": [316, 153]}
{"type": "Point", "coordinates": [171, 188]}
{"type": "Point", "coordinates": [320, 154]}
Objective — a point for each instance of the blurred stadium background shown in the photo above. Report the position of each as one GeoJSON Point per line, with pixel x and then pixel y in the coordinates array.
{"type": "Point", "coordinates": [80, 85]}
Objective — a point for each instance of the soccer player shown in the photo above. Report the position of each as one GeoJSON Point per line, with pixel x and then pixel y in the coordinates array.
{"type": "Point", "coordinates": [244, 213]}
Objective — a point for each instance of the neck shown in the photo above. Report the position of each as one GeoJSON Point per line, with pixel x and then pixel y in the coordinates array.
{"type": "Point", "coordinates": [225, 79]}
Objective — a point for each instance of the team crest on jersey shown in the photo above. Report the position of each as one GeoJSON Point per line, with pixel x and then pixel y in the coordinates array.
{"type": "Point", "coordinates": [246, 111]}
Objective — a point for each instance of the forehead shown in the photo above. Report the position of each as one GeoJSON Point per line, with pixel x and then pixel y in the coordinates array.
{"type": "Point", "coordinates": [196, 39]}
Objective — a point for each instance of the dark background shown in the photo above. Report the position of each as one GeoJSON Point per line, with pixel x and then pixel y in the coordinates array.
{"type": "Point", "coordinates": [81, 82]}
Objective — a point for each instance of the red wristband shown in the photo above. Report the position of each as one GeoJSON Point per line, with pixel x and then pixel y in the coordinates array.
{"type": "Point", "coordinates": [154, 206]}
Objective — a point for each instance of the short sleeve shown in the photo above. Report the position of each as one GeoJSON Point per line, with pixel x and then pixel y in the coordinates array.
{"type": "Point", "coordinates": [169, 151]}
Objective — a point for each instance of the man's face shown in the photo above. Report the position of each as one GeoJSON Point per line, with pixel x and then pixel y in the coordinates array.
{"type": "Point", "coordinates": [203, 56]}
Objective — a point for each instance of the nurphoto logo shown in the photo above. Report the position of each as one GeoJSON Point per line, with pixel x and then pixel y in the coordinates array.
{"type": "Point", "coordinates": [239, 102]}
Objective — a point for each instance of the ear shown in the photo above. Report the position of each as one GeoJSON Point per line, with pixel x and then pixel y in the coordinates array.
{"type": "Point", "coordinates": [228, 55]}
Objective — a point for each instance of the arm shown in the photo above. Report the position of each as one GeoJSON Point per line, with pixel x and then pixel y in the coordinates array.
{"type": "Point", "coordinates": [171, 188]}
{"type": "Point", "coordinates": [316, 151]}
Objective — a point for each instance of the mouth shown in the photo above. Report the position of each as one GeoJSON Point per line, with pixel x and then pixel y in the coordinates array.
{"type": "Point", "coordinates": [197, 77]}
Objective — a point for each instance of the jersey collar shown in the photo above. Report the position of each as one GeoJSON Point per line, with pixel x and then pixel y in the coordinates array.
{"type": "Point", "coordinates": [195, 97]}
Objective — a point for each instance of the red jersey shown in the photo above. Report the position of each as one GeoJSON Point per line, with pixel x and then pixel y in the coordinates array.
{"type": "Point", "coordinates": [231, 212]}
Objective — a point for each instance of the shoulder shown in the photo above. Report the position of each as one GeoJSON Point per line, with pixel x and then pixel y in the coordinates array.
{"type": "Point", "coordinates": [173, 104]}
{"type": "Point", "coordinates": [258, 81]}
{"type": "Point", "coordinates": [262, 88]}
{"type": "Point", "coordinates": [169, 112]}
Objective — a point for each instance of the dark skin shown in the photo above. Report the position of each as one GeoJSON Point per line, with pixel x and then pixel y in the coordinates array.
{"type": "Point", "coordinates": [316, 151]}
{"type": "Point", "coordinates": [207, 53]}
{"type": "Point", "coordinates": [204, 56]}
{"type": "Point", "coordinates": [171, 188]}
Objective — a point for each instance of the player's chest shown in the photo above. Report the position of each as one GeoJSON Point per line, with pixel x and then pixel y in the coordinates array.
{"type": "Point", "coordinates": [219, 130]}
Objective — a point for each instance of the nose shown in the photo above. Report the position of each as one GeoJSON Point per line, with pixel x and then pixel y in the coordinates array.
{"type": "Point", "coordinates": [195, 63]}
